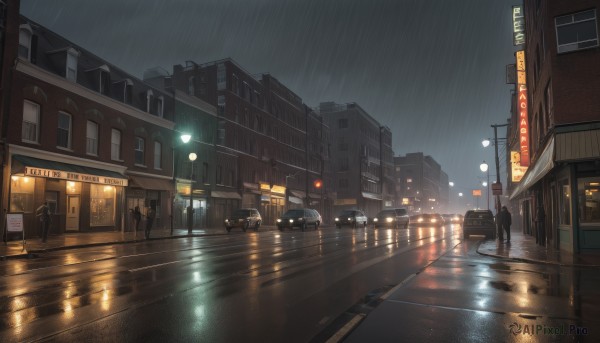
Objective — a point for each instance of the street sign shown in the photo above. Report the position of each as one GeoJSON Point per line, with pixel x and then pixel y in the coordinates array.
{"type": "Point", "coordinates": [477, 192]}
{"type": "Point", "coordinates": [497, 188]}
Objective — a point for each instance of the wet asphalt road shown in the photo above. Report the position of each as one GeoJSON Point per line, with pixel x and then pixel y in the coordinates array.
{"type": "Point", "coordinates": [265, 286]}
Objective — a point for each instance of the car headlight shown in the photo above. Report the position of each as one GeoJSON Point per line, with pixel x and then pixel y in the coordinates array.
{"type": "Point", "coordinates": [337, 219]}
{"type": "Point", "coordinates": [291, 220]}
{"type": "Point", "coordinates": [226, 220]}
{"type": "Point", "coordinates": [279, 220]}
{"type": "Point", "coordinates": [350, 219]}
{"type": "Point", "coordinates": [420, 220]}
{"type": "Point", "coordinates": [389, 219]}
{"type": "Point", "coordinates": [375, 220]}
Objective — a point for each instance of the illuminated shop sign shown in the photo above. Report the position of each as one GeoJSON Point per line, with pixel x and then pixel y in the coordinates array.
{"type": "Point", "coordinates": [523, 126]}
{"type": "Point", "coordinates": [63, 175]}
{"type": "Point", "coordinates": [517, 171]}
{"type": "Point", "coordinates": [518, 25]}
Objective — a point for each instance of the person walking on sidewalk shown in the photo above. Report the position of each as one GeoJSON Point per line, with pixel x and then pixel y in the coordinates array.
{"type": "Point", "coordinates": [43, 212]}
{"type": "Point", "coordinates": [505, 221]}
{"type": "Point", "coordinates": [137, 217]}
{"type": "Point", "coordinates": [150, 214]}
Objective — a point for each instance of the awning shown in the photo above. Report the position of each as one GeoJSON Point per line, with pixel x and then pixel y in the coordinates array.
{"type": "Point", "coordinates": [295, 200]}
{"type": "Point", "coordinates": [36, 167]}
{"type": "Point", "coordinates": [371, 196]}
{"type": "Point", "coordinates": [225, 195]}
{"type": "Point", "coordinates": [298, 194]}
{"type": "Point", "coordinates": [151, 183]}
{"type": "Point", "coordinates": [578, 146]}
{"type": "Point", "coordinates": [542, 166]}
{"type": "Point", "coordinates": [314, 195]}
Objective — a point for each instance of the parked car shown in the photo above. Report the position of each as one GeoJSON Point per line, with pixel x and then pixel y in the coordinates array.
{"type": "Point", "coordinates": [353, 218]}
{"type": "Point", "coordinates": [396, 218]}
{"type": "Point", "coordinates": [429, 219]}
{"type": "Point", "coordinates": [452, 218]}
{"type": "Point", "coordinates": [479, 222]}
{"type": "Point", "coordinates": [244, 218]}
{"type": "Point", "coordinates": [300, 217]}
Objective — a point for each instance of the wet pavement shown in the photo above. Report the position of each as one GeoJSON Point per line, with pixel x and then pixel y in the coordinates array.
{"type": "Point", "coordinates": [14, 248]}
{"type": "Point", "coordinates": [492, 292]}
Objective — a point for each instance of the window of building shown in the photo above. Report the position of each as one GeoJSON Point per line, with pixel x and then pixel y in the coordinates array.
{"type": "Point", "coordinates": [589, 199]}
{"type": "Point", "coordinates": [115, 145]}
{"type": "Point", "coordinates": [149, 100]}
{"type": "Point", "coordinates": [31, 122]}
{"type": "Point", "coordinates": [576, 31]}
{"type": "Point", "coordinates": [221, 77]}
{"type": "Point", "coordinates": [342, 144]}
{"type": "Point", "coordinates": [63, 135]}
{"type": "Point", "coordinates": [21, 194]}
{"type": "Point", "coordinates": [139, 150]}
{"type": "Point", "coordinates": [205, 173]}
{"type": "Point", "coordinates": [192, 85]}
{"type": "Point", "coordinates": [104, 80]}
{"type": "Point", "coordinates": [565, 203]}
{"type": "Point", "coordinates": [160, 106]}
{"type": "Point", "coordinates": [235, 87]}
{"type": "Point", "coordinates": [71, 72]}
{"type": "Point", "coordinates": [344, 165]}
{"type": "Point", "coordinates": [25, 34]}
{"type": "Point", "coordinates": [102, 205]}
{"type": "Point", "coordinates": [92, 138]}
{"type": "Point", "coordinates": [128, 92]}
{"type": "Point", "coordinates": [219, 178]}
{"type": "Point", "coordinates": [221, 104]}
{"type": "Point", "coordinates": [157, 155]}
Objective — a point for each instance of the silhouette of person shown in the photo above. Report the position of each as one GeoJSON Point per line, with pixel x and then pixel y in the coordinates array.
{"type": "Point", "coordinates": [150, 214]}
{"type": "Point", "coordinates": [43, 212]}
{"type": "Point", "coordinates": [506, 222]}
{"type": "Point", "coordinates": [137, 217]}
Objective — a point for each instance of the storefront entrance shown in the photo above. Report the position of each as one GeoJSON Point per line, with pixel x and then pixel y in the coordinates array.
{"type": "Point", "coordinates": [73, 206]}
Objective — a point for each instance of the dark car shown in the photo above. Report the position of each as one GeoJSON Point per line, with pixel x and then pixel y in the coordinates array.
{"type": "Point", "coordinates": [452, 218]}
{"type": "Point", "coordinates": [427, 219]}
{"type": "Point", "coordinates": [396, 218]}
{"type": "Point", "coordinates": [352, 218]}
{"type": "Point", "coordinates": [301, 218]}
{"type": "Point", "coordinates": [479, 222]}
{"type": "Point", "coordinates": [244, 218]}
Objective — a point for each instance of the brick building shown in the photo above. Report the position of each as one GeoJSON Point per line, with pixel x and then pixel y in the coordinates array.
{"type": "Point", "coordinates": [79, 133]}
{"type": "Point", "coordinates": [559, 195]}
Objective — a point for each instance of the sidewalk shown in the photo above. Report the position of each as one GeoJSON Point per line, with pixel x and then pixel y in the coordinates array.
{"type": "Point", "coordinates": [14, 249]}
{"type": "Point", "coordinates": [524, 248]}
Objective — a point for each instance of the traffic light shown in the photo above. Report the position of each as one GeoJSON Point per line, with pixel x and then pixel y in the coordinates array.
{"type": "Point", "coordinates": [318, 183]}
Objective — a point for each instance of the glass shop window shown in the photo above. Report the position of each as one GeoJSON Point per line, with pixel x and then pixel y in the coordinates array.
{"type": "Point", "coordinates": [565, 203]}
{"type": "Point", "coordinates": [589, 200]}
{"type": "Point", "coordinates": [21, 194]}
{"type": "Point", "coordinates": [102, 205]}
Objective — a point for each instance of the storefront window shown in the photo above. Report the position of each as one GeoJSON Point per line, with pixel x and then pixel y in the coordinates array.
{"type": "Point", "coordinates": [21, 194]}
{"type": "Point", "coordinates": [588, 190]}
{"type": "Point", "coordinates": [565, 203]}
{"type": "Point", "coordinates": [73, 187]}
{"type": "Point", "coordinates": [102, 205]}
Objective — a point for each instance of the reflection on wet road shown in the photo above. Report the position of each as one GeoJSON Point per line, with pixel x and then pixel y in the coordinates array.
{"type": "Point", "coordinates": [467, 297]}
{"type": "Point", "coordinates": [268, 286]}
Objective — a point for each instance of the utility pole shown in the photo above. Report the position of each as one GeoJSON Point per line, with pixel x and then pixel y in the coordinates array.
{"type": "Point", "coordinates": [496, 126]}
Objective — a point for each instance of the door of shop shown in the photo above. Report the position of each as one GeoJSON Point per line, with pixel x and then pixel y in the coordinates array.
{"type": "Point", "coordinates": [73, 206]}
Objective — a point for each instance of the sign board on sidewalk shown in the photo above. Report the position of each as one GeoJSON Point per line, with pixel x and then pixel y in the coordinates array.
{"type": "Point", "coordinates": [14, 222]}
{"type": "Point", "coordinates": [497, 188]}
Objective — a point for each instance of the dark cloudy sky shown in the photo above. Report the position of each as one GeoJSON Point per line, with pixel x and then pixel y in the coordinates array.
{"type": "Point", "coordinates": [431, 70]}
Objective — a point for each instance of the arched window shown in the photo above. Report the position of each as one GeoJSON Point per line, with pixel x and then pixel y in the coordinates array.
{"type": "Point", "coordinates": [25, 34]}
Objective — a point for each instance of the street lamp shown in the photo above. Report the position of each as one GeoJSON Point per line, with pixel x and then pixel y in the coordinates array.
{"type": "Point", "coordinates": [485, 143]}
{"type": "Point", "coordinates": [185, 138]}
{"type": "Point", "coordinates": [451, 184]}
{"type": "Point", "coordinates": [192, 156]}
{"type": "Point", "coordinates": [485, 168]}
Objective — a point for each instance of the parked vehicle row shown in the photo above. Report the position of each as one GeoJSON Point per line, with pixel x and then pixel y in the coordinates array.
{"type": "Point", "coordinates": [304, 218]}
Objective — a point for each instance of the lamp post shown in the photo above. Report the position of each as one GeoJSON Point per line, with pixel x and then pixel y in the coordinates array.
{"type": "Point", "coordinates": [485, 168]}
{"type": "Point", "coordinates": [185, 138]}
{"type": "Point", "coordinates": [192, 156]}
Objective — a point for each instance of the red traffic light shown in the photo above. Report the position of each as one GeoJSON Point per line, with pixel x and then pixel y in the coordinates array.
{"type": "Point", "coordinates": [318, 183]}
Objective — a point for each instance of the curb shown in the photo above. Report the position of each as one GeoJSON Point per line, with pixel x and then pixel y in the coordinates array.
{"type": "Point", "coordinates": [545, 262]}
